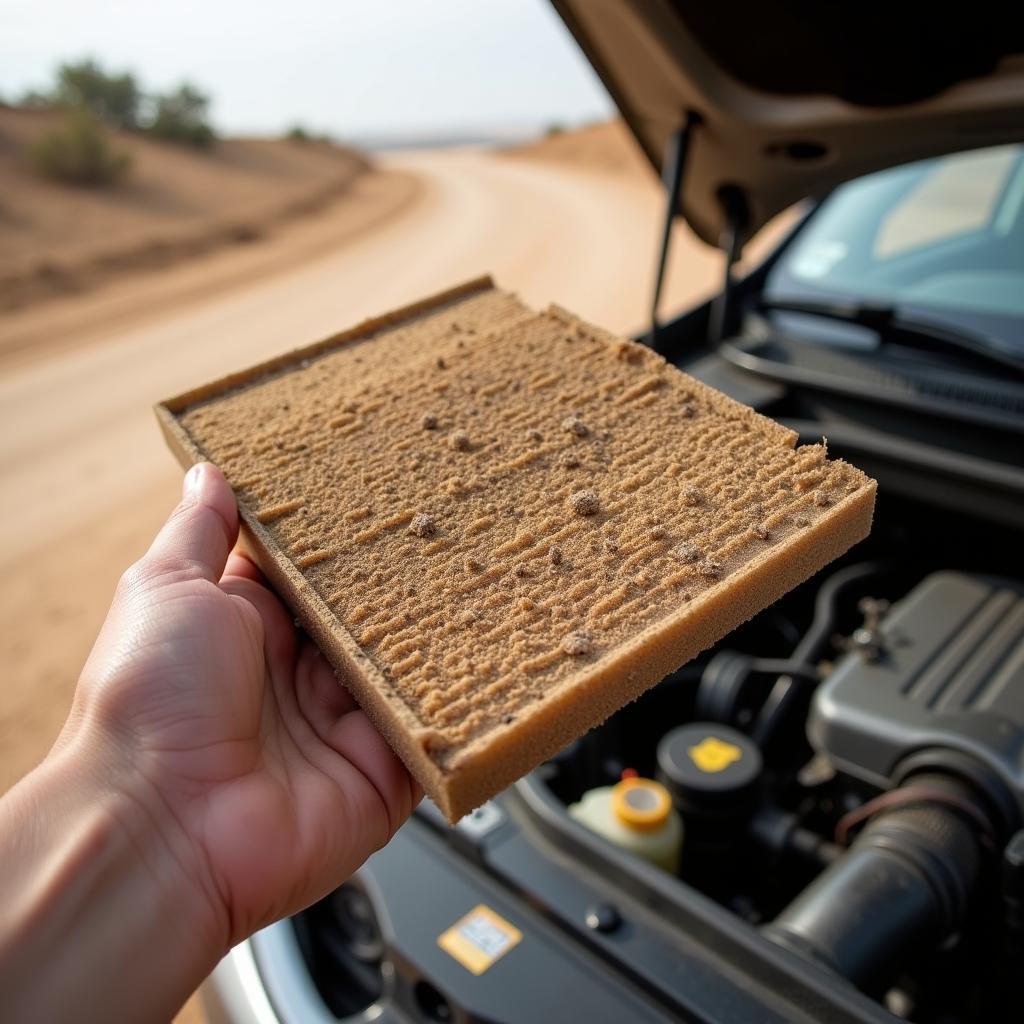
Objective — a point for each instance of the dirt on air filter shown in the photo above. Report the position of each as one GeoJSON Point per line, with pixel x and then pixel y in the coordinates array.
{"type": "Point", "coordinates": [501, 525]}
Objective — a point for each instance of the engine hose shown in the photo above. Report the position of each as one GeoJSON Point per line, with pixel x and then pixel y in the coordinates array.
{"type": "Point", "coordinates": [902, 888]}
{"type": "Point", "coordinates": [786, 689]}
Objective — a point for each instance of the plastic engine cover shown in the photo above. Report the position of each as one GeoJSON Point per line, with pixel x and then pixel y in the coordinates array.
{"type": "Point", "coordinates": [949, 676]}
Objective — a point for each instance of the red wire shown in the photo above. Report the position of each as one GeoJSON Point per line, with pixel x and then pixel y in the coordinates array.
{"type": "Point", "coordinates": [911, 795]}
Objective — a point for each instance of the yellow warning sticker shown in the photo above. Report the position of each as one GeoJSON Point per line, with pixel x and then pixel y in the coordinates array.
{"type": "Point", "coordinates": [714, 755]}
{"type": "Point", "coordinates": [479, 939]}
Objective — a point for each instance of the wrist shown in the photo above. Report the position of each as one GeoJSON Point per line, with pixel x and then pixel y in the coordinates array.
{"type": "Point", "coordinates": [103, 892]}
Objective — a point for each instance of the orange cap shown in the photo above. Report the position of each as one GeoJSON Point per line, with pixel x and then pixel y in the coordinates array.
{"type": "Point", "coordinates": [642, 804]}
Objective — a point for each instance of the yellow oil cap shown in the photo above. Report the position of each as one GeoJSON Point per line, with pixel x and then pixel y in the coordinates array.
{"type": "Point", "coordinates": [642, 804]}
{"type": "Point", "coordinates": [713, 754]}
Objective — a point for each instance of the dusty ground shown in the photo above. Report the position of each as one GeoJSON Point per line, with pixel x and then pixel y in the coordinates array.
{"type": "Point", "coordinates": [85, 477]}
{"type": "Point", "coordinates": [175, 203]}
{"type": "Point", "coordinates": [608, 146]}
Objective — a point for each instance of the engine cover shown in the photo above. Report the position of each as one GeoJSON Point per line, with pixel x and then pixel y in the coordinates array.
{"type": "Point", "coordinates": [949, 677]}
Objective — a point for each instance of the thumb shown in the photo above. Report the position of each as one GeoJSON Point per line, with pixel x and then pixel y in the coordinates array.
{"type": "Point", "coordinates": [200, 533]}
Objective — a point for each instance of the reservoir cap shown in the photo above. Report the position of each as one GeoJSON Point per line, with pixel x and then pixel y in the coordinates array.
{"type": "Point", "coordinates": [709, 767]}
{"type": "Point", "coordinates": [641, 804]}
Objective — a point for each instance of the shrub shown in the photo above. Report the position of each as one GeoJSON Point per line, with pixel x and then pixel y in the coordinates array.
{"type": "Point", "coordinates": [181, 117]}
{"type": "Point", "coordinates": [297, 133]}
{"type": "Point", "coordinates": [115, 99]}
{"type": "Point", "coordinates": [33, 99]}
{"type": "Point", "coordinates": [79, 153]}
{"type": "Point", "coordinates": [554, 129]}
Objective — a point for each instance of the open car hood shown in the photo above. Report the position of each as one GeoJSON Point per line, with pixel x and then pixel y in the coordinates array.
{"type": "Point", "coordinates": [791, 98]}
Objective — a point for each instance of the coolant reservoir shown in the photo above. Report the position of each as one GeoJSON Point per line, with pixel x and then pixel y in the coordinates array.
{"type": "Point", "coordinates": [636, 814]}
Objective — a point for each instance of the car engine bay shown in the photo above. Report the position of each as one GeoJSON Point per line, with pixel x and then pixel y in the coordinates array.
{"type": "Point", "coordinates": [875, 826]}
{"type": "Point", "coordinates": [843, 774]}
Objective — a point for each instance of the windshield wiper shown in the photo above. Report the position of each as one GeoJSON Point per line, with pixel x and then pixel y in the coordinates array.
{"type": "Point", "coordinates": [887, 320]}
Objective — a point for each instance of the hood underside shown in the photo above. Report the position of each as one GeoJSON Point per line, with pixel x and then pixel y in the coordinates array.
{"type": "Point", "coordinates": [789, 98]}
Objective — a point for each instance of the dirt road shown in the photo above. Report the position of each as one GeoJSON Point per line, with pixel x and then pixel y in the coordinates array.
{"type": "Point", "coordinates": [85, 476]}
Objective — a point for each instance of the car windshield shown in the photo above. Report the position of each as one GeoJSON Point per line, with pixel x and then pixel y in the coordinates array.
{"type": "Point", "coordinates": [941, 240]}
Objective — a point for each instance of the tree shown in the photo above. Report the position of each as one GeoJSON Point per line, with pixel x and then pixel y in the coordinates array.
{"type": "Point", "coordinates": [119, 101]}
{"type": "Point", "coordinates": [115, 99]}
{"type": "Point", "coordinates": [180, 116]}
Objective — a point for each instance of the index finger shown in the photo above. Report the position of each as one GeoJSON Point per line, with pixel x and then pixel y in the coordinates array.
{"type": "Point", "coordinates": [241, 565]}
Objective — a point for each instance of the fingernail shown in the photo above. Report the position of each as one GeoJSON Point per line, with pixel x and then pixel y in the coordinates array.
{"type": "Point", "coordinates": [193, 483]}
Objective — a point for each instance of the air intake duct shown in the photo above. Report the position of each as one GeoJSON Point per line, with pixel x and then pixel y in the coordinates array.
{"type": "Point", "coordinates": [902, 888]}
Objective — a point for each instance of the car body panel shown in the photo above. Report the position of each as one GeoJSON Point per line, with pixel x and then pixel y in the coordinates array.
{"type": "Point", "coordinates": [777, 147]}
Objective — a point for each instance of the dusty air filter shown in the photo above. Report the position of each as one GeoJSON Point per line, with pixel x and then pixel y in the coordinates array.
{"type": "Point", "coordinates": [502, 525]}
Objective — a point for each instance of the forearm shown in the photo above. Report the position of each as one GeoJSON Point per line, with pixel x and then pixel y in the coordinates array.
{"type": "Point", "coordinates": [99, 917]}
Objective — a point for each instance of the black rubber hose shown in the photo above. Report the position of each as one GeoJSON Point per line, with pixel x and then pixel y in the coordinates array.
{"type": "Point", "coordinates": [811, 646]}
{"type": "Point", "coordinates": [724, 683]}
{"type": "Point", "coordinates": [781, 836]}
{"type": "Point", "coordinates": [903, 888]}
{"type": "Point", "coordinates": [823, 625]}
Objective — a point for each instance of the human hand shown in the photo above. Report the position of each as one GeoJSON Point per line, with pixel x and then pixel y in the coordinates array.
{"type": "Point", "coordinates": [269, 784]}
{"type": "Point", "coordinates": [213, 776]}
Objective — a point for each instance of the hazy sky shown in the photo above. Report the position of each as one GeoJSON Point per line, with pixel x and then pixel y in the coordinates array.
{"type": "Point", "coordinates": [351, 67]}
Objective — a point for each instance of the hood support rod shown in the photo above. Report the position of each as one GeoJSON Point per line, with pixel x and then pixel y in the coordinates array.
{"type": "Point", "coordinates": [675, 163]}
{"type": "Point", "coordinates": [737, 216]}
